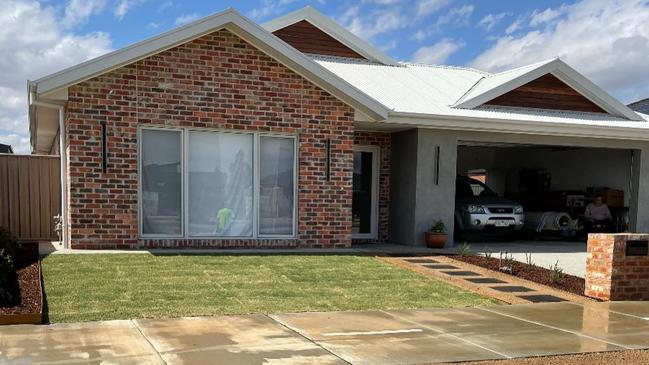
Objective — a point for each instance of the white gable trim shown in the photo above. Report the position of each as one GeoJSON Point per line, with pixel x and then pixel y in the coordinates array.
{"type": "Point", "coordinates": [332, 28]}
{"type": "Point", "coordinates": [239, 25]}
{"type": "Point", "coordinates": [564, 73]}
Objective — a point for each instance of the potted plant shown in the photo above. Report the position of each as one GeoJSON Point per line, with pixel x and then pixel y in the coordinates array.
{"type": "Point", "coordinates": [436, 237]}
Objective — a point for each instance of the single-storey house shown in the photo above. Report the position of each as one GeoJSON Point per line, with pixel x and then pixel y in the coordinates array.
{"type": "Point", "coordinates": [297, 133]}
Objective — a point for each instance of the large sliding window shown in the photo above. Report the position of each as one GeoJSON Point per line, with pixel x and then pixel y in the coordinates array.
{"type": "Point", "coordinates": [214, 184]}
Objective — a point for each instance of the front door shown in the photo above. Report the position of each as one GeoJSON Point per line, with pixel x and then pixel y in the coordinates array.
{"type": "Point", "coordinates": [365, 193]}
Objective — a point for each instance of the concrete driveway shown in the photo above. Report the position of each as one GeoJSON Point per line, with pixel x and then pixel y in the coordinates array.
{"type": "Point", "coordinates": [570, 255]}
{"type": "Point", "coordinates": [369, 337]}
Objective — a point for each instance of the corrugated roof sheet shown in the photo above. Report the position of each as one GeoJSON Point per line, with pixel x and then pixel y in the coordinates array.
{"type": "Point", "coordinates": [432, 90]}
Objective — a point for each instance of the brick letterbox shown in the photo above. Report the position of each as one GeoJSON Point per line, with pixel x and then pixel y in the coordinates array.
{"type": "Point", "coordinates": [617, 266]}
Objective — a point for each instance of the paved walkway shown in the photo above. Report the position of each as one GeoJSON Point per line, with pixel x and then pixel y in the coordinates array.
{"type": "Point", "coordinates": [370, 337]}
{"type": "Point", "coordinates": [571, 255]}
{"type": "Point", "coordinates": [507, 288]}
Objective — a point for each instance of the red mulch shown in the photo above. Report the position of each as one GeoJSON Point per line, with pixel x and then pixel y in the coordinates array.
{"type": "Point", "coordinates": [29, 282]}
{"type": "Point", "coordinates": [537, 274]}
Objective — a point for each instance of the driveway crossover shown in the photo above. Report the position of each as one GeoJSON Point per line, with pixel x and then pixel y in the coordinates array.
{"type": "Point", "coordinates": [368, 337]}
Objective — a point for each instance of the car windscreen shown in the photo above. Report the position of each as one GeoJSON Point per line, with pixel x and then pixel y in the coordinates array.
{"type": "Point", "coordinates": [472, 188]}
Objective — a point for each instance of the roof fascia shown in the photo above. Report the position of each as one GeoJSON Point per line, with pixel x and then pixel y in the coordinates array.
{"type": "Point", "coordinates": [516, 126]}
{"type": "Point", "coordinates": [332, 28]}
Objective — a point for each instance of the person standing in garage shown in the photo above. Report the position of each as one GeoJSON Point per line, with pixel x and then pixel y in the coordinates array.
{"type": "Point", "coordinates": [598, 216]}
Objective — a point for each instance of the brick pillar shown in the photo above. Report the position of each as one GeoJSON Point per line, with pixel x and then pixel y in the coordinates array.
{"type": "Point", "coordinates": [617, 266]}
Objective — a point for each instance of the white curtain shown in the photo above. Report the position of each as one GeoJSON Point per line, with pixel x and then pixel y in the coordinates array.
{"type": "Point", "coordinates": [220, 197]}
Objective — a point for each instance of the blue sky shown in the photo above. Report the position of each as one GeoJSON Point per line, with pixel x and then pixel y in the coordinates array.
{"type": "Point", "coordinates": [607, 40]}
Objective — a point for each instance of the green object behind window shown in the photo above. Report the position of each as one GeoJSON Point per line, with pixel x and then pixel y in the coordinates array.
{"type": "Point", "coordinates": [224, 218]}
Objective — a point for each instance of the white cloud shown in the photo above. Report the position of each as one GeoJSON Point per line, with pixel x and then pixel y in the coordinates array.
{"type": "Point", "coordinates": [268, 8]}
{"type": "Point", "coordinates": [427, 7]}
{"type": "Point", "coordinates": [379, 21]}
{"type": "Point", "coordinates": [439, 52]}
{"type": "Point", "coordinates": [124, 6]}
{"type": "Point", "coordinates": [546, 16]}
{"type": "Point", "coordinates": [456, 16]}
{"type": "Point", "coordinates": [78, 11]}
{"type": "Point", "coordinates": [491, 20]}
{"type": "Point", "coordinates": [45, 48]}
{"type": "Point", "coordinates": [606, 40]}
{"type": "Point", "coordinates": [186, 18]}
{"type": "Point", "coordinates": [515, 25]}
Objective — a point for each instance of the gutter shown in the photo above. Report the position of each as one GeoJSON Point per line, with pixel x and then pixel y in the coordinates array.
{"type": "Point", "coordinates": [60, 106]}
{"type": "Point", "coordinates": [481, 124]}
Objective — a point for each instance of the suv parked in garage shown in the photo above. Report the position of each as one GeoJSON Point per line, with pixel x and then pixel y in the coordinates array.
{"type": "Point", "coordinates": [478, 208]}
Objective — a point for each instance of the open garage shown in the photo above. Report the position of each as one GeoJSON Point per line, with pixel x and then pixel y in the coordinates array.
{"type": "Point", "coordinates": [552, 184]}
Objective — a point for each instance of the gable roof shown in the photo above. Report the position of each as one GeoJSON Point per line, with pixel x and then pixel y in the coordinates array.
{"type": "Point", "coordinates": [423, 96]}
{"type": "Point", "coordinates": [236, 23]}
{"type": "Point", "coordinates": [492, 86]}
{"type": "Point", "coordinates": [641, 106]}
{"type": "Point", "coordinates": [332, 28]}
{"type": "Point", "coordinates": [5, 148]}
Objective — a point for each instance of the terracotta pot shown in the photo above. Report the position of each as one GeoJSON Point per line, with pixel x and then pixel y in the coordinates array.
{"type": "Point", "coordinates": [435, 240]}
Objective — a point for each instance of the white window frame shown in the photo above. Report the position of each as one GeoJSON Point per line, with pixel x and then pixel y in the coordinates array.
{"type": "Point", "coordinates": [184, 146]}
{"type": "Point", "coordinates": [374, 219]}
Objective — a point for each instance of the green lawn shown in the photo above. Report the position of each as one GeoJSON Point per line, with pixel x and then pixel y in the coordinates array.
{"type": "Point", "coordinates": [100, 287]}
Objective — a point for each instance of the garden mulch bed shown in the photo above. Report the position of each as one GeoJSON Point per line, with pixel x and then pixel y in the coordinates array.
{"type": "Point", "coordinates": [28, 305]}
{"type": "Point", "coordinates": [537, 274]}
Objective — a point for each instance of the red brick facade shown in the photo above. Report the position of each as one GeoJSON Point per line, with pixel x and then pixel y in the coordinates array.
{"type": "Point", "coordinates": [383, 141]}
{"type": "Point", "coordinates": [217, 81]}
{"type": "Point", "coordinates": [611, 274]}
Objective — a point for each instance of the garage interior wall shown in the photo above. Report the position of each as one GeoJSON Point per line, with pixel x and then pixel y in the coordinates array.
{"type": "Point", "coordinates": [570, 168]}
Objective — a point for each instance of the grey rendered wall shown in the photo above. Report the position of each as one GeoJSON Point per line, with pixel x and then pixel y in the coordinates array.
{"type": "Point", "coordinates": [403, 187]}
{"type": "Point", "coordinates": [416, 201]}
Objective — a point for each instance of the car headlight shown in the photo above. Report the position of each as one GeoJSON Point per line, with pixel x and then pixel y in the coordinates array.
{"type": "Point", "coordinates": [518, 209]}
{"type": "Point", "coordinates": [474, 209]}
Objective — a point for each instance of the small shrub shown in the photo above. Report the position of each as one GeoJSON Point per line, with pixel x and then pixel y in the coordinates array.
{"type": "Point", "coordinates": [528, 259]}
{"type": "Point", "coordinates": [438, 227]}
{"type": "Point", "coordinates": [7, 267]}
{"type": "Point", "coordinates": [556, 273]}
{"type": "Point", "coordinates": [464, 249]}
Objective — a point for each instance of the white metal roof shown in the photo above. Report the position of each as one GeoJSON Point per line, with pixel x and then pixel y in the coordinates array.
{"type": "Point", "coordinates": [424, 90]}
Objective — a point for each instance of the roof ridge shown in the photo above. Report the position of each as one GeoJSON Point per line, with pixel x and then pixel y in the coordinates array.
{"type": "Point", "coordinates": [524, 66]}
{"type": "Point", "coordinates": [452, 67]}
{"type": "Point", "coordinates": [316, 56]}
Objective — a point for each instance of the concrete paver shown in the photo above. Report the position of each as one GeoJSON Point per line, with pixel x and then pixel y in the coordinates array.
{"type": "Point", "coordinates": [508, 336]}
{"type": "Point", "coordinates": [377, 337]}
{"type": "Point", "coordinates": [592, 319]}
{"type": "Point", "coordinates": [116, 342]}
{"type": "Point", "coordinates": [251, 339]}
{"type": "Point", "coordinates": [333, 338]}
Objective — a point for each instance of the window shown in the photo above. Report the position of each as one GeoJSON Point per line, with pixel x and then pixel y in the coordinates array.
{"type": "Point", "coordinates": [220, 184]}
{"type": "Point", "coordinates": [213, 184]}
{"type": "Point", "coordinates": [276, 185]}
{"type": "Point", "coordinates": [161, 201]}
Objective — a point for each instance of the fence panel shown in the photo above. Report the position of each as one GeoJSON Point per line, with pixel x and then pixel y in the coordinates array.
{"type": "Point", "coordinates": [30, 195]}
